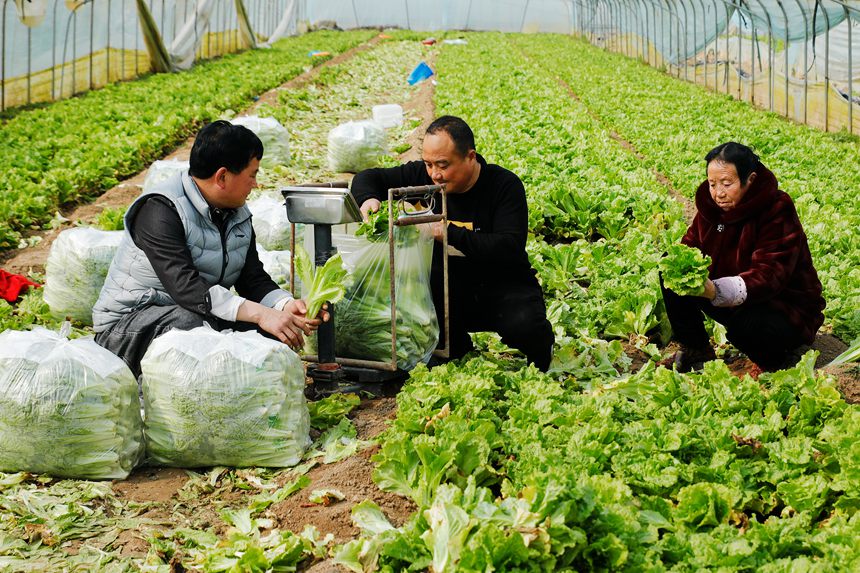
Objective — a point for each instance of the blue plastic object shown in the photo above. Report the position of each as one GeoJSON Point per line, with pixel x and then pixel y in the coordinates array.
{"type": "Point", "coordinates": [421, 72]}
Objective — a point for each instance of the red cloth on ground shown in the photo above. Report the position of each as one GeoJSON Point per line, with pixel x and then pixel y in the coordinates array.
{"type": "Point", "coordinates": [12, 285]}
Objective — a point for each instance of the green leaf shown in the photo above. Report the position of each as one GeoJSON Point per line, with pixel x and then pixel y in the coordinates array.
{"type": "Point", "coordinates": [369, 518]}
{"type": "Point", "coordinates": [331, 409]}
{"type": "Point", "coordinates": [320, 284]}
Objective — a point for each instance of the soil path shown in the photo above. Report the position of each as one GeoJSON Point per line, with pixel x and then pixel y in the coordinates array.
{"type": "Point", "coordinates": [161, 489]}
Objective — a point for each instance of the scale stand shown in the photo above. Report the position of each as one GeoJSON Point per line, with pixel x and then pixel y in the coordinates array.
{"type": "Point", "coordinates": [325, 205]}
{"type": "Point", "coordinates": [328, 375]}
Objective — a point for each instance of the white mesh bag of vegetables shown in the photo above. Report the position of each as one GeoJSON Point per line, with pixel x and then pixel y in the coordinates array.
{"type": "Point", "coordinates": [68, 408]}
{"type": "Point", "coordinates": [363, 325]}
{"type": "Point", "coordinates": [271, 226]}
{"type": "Point", "coordinates": [355, 145]}
{"type": "Point", "coordinates": [162, 170]}
{"type": "Point", "coordinates": [277, 264]}
{"type": "Point", "coordinates": [223, 398]}
{"type": "Point", "coordinates": [275, 138]}
{"type": "Point", "coordinates": [76, 269]}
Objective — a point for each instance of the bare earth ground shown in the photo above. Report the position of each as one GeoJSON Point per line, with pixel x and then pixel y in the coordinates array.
{"type": "Point", "coordinates": [160, 489]}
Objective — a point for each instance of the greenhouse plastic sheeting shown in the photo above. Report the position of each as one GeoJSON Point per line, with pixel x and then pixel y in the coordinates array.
{"type": "Point", "coordinates": [502, 15]}
{"type": "Point", "coordinates": [188, 39]}
{"type": "Point", "coordinates": [106, 39]}
{"type": "Point", "coordinates": [837, 68]}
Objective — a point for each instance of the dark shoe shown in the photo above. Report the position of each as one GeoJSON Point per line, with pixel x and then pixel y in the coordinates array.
{"type": "Point", "coordinates": [790, 360]}
{"type": "Point", "coordinates": [688, 359]}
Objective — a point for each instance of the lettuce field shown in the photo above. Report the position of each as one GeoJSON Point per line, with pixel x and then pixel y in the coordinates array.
{"type": "Point", "coordinates": [608, 462]}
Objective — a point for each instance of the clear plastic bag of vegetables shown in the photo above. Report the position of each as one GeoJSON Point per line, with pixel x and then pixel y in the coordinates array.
{"type": "Point", "coordinates": [363, 317]}
{"type": "Point", "coordinates": [223, 398]}
{"type": "Point", "coordinates": [355, 145]}
{"type": "Point", "coordinates": [77, 265]}
{"type": "Point", "coordinates": [271, 226]}
{"type": "Point", "coordinates": [275, 138]}
{"type": "Point", "coordinates": [162, 170]}
{"type": "Point", "coordinates": [277, 264]}
{"type": "Point", "coordinates": [68, 408]}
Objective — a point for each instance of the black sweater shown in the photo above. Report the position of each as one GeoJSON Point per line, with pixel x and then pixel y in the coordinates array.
{"type": "Point", "coordinates": [494, 249]}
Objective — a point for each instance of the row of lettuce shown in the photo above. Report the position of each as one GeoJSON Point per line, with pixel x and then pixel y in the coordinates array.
{"type": "Point", "coordinates": [656, 471]}
{"type": "Point", "coordinates": [75, 149]}
{"type": "Point", "coordinates": [600, 218]}
{"type": "Point", "coordinates": [659, 471]}
{"type": "Point", "coordinates": [673, 125]}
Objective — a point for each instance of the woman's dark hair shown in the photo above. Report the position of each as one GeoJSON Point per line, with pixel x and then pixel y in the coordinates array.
{"type": "Point", "coordinates": [457, 129]}
{"type": "Point", "coordinates": [222, 144]}
{"type": "Point", "coordinates": [739, 155]}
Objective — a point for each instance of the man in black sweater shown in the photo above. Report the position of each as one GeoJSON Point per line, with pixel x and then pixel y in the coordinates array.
{"type": "Point", "coordinates": [492, 286]}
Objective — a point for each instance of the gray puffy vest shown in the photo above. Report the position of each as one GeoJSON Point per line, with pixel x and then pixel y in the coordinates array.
{"type": "Point", "coordinates": [131, 282]}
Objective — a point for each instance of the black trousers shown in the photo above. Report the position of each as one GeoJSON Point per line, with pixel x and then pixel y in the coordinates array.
{"type": "Point", "coordinates": [517, 312]}
{"type": "Point", "coordinates": [131, 336]}
{"type": "Point", "coordinates": [761, 332]}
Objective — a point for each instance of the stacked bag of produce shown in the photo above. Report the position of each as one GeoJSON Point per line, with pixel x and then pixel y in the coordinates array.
{"type": "Point", "coordinates": [162, 170]}
{"type": "Point", "coordinates": [363, 325]}
{"type": "Point", "coordinates": [275, 138]}
{"type": "Point", "coordinates": [355, 145]}
{"type": "Point", "coordinates": [223, 398]}
{"type": "Point", "coordinates": [76, 269]}
{"type": "Point", "coordinates": [271, 226]}
{"type": "Point", "coordinates": [277, 264]}
{"type": "Point", "coordinates": [68, 408]}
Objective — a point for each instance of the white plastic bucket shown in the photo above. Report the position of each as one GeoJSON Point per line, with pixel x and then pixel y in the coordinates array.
{"type": "Point", "coordinates": [388, 115]}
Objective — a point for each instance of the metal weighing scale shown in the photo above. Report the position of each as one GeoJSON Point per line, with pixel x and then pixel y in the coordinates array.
{"type": "Point", "coordinates": [324, 205]}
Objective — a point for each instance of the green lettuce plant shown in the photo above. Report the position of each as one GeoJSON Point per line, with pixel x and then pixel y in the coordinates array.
{"type": "Point", "coordinates": [685, 270]}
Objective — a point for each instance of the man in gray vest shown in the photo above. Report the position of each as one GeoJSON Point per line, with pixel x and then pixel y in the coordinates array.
{"type": "Point", "coordinates": [186, 243]}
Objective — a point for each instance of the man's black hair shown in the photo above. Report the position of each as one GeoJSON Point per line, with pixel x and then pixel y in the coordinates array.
{"type": "Point", "coordinates": [457, 129]}
{"type": "Point", "coordinates": [738, 154]}
{"type": "Point", "coordinates": [222, 144]}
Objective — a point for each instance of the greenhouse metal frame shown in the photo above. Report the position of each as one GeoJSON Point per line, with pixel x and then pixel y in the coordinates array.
{"type": "Point", "coordinates": [762, 51]}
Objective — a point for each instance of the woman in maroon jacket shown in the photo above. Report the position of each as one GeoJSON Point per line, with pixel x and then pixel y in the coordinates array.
{"type": "Point", "coordinates": [762, 285]}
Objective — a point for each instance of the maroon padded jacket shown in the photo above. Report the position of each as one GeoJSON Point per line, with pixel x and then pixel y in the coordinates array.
{"type": "Point", "coordinates": [762, 241]}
